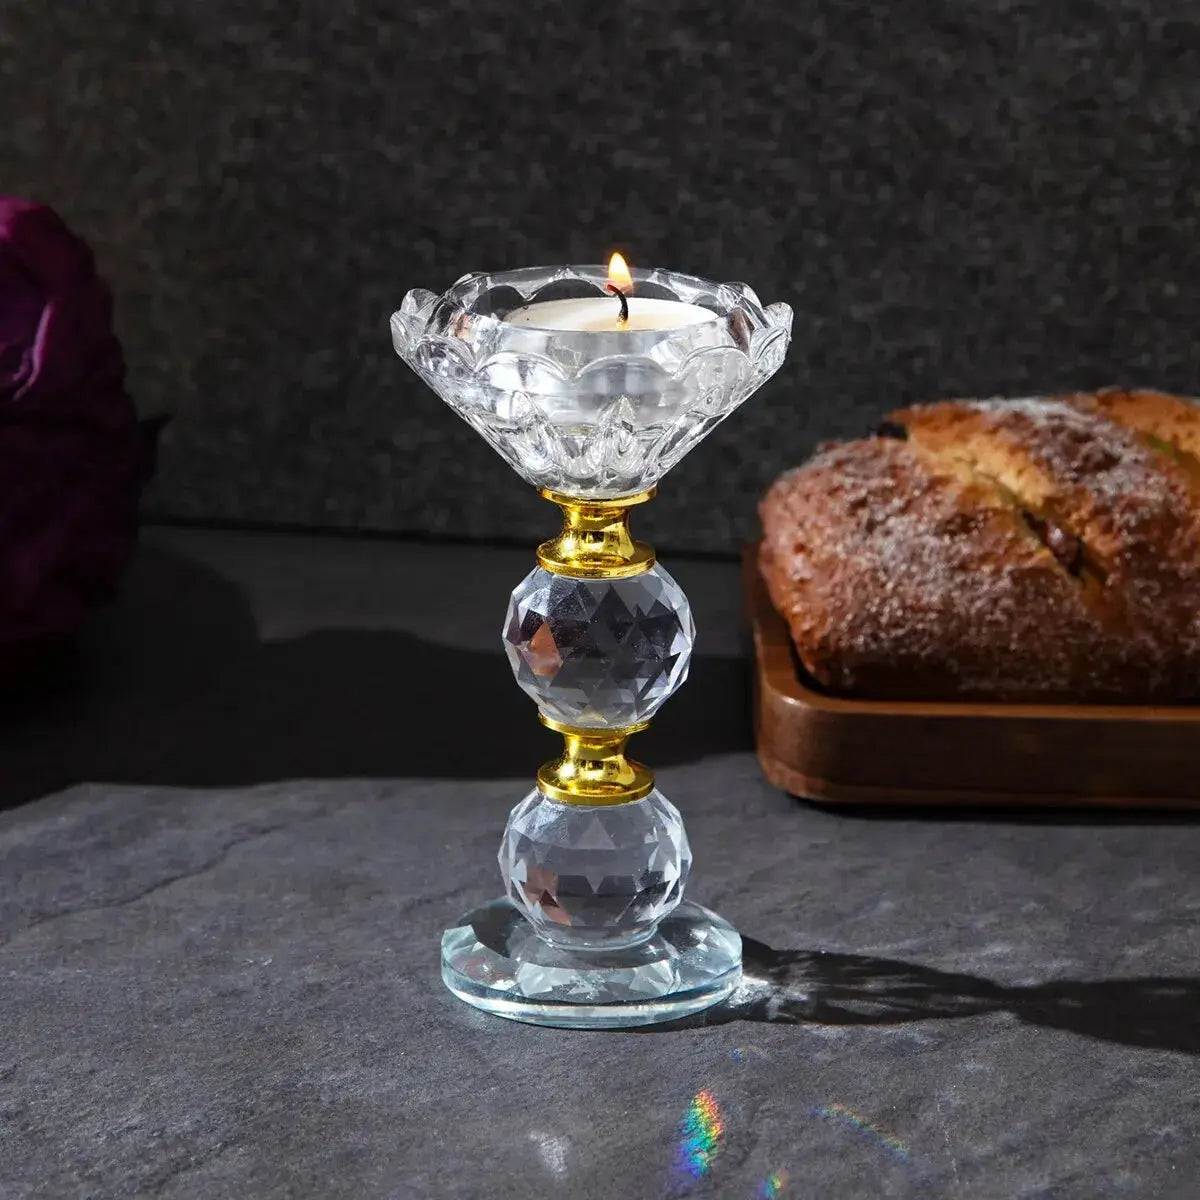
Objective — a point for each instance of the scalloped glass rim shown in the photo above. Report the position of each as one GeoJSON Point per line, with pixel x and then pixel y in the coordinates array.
{"type": "Point", "coordinates": [529, 285]}
{"type": "Point", "coordinates": [477, 303]}
{"type": "Point", "coordinates": [595, 414]}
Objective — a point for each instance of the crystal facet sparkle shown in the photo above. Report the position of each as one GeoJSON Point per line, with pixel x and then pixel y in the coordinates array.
{"type": "Point", "coordinates": [599, 652]}
{"type": "Point", "coordinates": [595, 876]}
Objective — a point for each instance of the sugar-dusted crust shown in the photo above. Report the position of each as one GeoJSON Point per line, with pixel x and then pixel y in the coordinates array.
{"type": "Point", "coordinates": [1129, 507]}
{"type": "Point", "coordinates": [1171, 422]}
{"type": "Point", "coordinates": [1008, 550]}
{"type": "Point", "coordinates": [1170, 426]}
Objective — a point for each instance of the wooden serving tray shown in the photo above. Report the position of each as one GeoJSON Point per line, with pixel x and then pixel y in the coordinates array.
{"type": "Point", "coordinates": [886, 752]}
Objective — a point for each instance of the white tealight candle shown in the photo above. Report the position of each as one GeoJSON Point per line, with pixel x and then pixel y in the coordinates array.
{"type": "Point", "coordinates": [597, 314]}
{"type": "Point", "coordinates": [623, 313]}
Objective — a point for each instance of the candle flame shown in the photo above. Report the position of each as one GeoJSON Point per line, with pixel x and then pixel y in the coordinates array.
{"type": "Point", "coordinates": [618, 273]}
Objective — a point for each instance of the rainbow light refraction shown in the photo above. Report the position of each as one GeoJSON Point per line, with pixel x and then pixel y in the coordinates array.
{"type": "Point", "coordinates": [889, 1141]}
{"type": "Point", "coordinates": [773, 1185]}
{"type": "Point", "coordinates": [700, 1134]}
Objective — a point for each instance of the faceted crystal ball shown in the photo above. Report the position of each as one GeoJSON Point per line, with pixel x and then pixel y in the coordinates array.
{"type": "Point", "coordinates": [596, 876]}
{"type": "Point", "coordinates": [595, 653]}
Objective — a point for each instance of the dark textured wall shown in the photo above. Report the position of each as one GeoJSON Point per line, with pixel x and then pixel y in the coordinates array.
{"type": "Point", "coordinates": [955, 196]}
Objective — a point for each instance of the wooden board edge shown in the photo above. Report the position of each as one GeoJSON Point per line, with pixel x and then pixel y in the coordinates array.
{"type": "Point", "coordinates": [781, 701]}
{"type": "Point", "coordinates": [824, 791]}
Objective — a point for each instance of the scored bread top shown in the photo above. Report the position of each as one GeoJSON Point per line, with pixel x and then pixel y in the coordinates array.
{"type": "Point", "coordinates": [1020, 550]}
{"type": "Point", "coordinates": [1126, 505]}
{"type": "Point", "coordinates": [1169, 424]}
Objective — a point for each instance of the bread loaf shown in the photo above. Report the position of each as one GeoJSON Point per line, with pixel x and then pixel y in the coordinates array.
{"type": "Point", "coordinates": [1026, 550]}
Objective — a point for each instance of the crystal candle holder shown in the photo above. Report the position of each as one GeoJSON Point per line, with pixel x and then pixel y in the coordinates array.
{"type": "Point", "coordinates": [593, 930]}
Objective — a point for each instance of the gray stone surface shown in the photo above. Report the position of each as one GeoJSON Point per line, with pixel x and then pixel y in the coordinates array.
{"type": "Point", "coordinates": [955, 195]}
{"type": "Point", "coordinates": [218, 955]}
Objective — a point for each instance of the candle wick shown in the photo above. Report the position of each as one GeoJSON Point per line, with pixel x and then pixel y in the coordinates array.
{"type": "Point", "coordinates": [620, 295]}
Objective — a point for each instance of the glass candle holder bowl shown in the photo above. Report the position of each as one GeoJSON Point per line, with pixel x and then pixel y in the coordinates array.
{"type": "Point", "coordinates": [590, 415]}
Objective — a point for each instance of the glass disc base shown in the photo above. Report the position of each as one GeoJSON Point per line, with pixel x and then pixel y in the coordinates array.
{"type": "Point", "coordinates": [495, 961]}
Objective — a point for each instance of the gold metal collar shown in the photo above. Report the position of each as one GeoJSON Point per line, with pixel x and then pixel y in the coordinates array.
{"type": "Point", "coordinates": [593, 768]}
{"type": "Point", "coordinates": [595, 542]}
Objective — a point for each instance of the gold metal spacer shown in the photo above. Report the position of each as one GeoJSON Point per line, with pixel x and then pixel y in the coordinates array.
{"type": "Point", "coordinates": [595, 542]}
{"type": "Point", "coordinates": [593, 768]}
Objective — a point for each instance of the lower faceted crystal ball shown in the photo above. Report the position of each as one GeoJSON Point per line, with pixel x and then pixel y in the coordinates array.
{"type": "Point", "coordinates": [599, 652]}
{"type": "Point", "coordinates": [595, 876]}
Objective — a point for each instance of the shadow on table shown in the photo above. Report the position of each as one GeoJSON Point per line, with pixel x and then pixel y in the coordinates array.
{"type": "Point", "coordinates": [171, 685]}
{"type": "Point", "coordinates": [796, 986]}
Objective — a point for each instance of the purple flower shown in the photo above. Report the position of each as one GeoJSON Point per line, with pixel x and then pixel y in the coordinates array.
{"type": "Point", "coordinates": [72, 454]}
